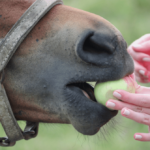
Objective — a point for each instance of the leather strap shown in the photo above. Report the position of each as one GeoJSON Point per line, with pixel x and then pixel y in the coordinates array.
{"type": "Point", "coordinates": [23, 26]}
{"type": "Point", "coordinates": [7, 118]}
{"type": "Point", "coordinates": [8, 46]}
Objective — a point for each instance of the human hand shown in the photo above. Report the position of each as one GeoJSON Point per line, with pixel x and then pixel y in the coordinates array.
{"type": "Point", "coordinates": [140, 52]}
{"type": "Point", "coordinates": [134, 106]}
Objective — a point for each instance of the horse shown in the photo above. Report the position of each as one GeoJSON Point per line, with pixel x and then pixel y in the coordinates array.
{"type": "Point", "coordinates": [46, 79]}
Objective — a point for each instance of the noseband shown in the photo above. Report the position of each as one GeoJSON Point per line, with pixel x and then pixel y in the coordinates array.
{"type": "Point", "coordinates": [8, 46]}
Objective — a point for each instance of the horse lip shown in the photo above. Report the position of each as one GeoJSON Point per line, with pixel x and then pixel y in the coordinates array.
{"type": "Point", "coordinates": [83, 115]}
{"type": "Point", "coordinates": [86, 88]}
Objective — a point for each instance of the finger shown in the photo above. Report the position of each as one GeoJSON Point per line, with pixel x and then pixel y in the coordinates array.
{"type": "Point", "coordinates": [141, 74]}
{"type": "Point", "coordinates": [119, 105]}
{"type": "Point", "coordinates": [136, 116]}
{"type": "Point", "coordinates": [142, 136]}
{"type": "Point", "coordinates": [143, 90]}
{"type": "Point", "coordinates": [142, 100]}
{"type": "Point", "coordinates": [138, 67]}
{"type": "Point", "coordinates": [144, 47]}
{"type": "Point", "coordinates": [142, 80]}
{"type": "Point", "coordinates": [139, 56]}
{"type": "Point", "coordinates": [140, 70]}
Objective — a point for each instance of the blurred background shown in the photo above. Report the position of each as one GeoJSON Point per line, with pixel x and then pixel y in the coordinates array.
{"type": "Point", "coordinates": [132, 18]}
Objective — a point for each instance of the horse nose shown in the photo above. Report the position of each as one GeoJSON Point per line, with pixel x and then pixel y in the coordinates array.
{"type": "Point", "coordinates": [94, 47]}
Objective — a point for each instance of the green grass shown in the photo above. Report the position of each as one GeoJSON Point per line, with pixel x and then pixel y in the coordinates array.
{"type": "Point", "coordinates": [132, 18]}
{"type": "Point", "coordinates": [65, 137]}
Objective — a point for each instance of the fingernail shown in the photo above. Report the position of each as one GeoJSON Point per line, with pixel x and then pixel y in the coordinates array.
{"type": "Point", "coordinates": [126, 112]}
{"type": "Point", "coordinates": [138, 137]}
{"type": "Point", "coordinates": [146, 59]}
{"type": "Point", "coordinates": [142, 72]}
{"type": "Point", "coordinates": [110, 104]}
{"type": "Point", "coordinates": [116, 94]}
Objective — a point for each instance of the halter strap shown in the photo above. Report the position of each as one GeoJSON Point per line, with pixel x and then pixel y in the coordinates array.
{"type": "Point", "coordinates": [8, 46]}
{"type": "Point", "coordinates": [23, 26]}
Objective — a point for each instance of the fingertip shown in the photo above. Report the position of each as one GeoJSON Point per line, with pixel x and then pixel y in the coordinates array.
{"type": "Point", "coordinates": [134, 136]}
{"type": "Point", "coordinates": [146, 59]}
{"type": "Point", "coordinates": [138, 136]}
{"type": "Point", "coordinates": [136, 47]}
{"type": "Point", "coordinates": [125, 112]}
{"type": "Point", "coordinates": [117, 94]}
{"type": "Point", "coordinates": [142, 72]}
{"type": "Point", "coordinates": [119, 91]}
{"type": "Point", "coordinates": [122, 110]}
{"type": "Point", "coordinates": [110, 104]}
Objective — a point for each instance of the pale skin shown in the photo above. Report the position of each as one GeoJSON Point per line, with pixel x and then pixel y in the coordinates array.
{"type": "Point", "coordinates": [136, 106]}
{"type": "Point", "coordinates": [140, 52]}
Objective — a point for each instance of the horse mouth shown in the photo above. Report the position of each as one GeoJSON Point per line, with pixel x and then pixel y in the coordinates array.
{"type": "Point", "coordinates": [86, 89]}
{"type": "Point", "coordinates": [84, 112]}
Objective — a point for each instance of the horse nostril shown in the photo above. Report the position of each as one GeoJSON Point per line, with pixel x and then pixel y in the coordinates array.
{"type": "Point", "coordinates": [95, 47]}
{"type": "Point", "coordinates": [92, 45]}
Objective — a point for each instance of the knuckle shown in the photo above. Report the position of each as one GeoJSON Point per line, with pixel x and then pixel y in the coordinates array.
{"type": "Point", "coordinates": [138, 109]}
{"type": "Point", "coordinates": [143, 102]}
{"type": "Point", "coordinates": [146, 119]}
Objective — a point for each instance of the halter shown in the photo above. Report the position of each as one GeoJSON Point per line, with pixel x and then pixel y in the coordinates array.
{"type": "Point", "coordinates": [8, 46]}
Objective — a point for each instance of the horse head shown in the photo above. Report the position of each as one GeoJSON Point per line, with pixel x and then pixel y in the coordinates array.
{"type": "Point", "coordinates": [46, 79]}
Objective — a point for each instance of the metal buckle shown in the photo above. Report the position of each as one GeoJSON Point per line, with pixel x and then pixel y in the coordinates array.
{"type": "Point", "coordinates": [5, 142]}
{"type": "Point", "coordinates": [31, 130]}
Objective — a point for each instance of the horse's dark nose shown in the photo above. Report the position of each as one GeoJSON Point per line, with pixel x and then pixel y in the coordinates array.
{"type": "Point", "coordinates": [95, 47]}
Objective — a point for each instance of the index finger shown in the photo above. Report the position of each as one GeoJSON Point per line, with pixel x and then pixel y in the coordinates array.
{"type": "Point", "coordinates": [138, 55]}
{"type": "Point", "coordinates": [142, 100]}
